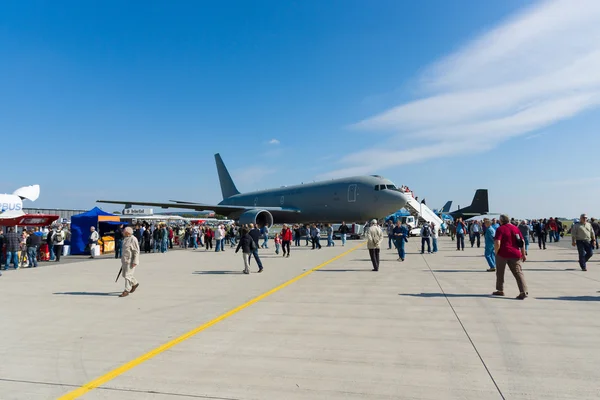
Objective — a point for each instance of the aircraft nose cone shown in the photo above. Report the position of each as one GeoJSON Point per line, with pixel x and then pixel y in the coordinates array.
{"type": "Point", "coordinates": [403, 198]}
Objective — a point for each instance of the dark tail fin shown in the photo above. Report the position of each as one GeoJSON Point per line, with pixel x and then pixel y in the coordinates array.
{"type": "Point", "coordinates": [446, 207]}
{"type": "Point", "coordinates": [227, 186]}
{"type": "Point", "coordinates": [480, 202]}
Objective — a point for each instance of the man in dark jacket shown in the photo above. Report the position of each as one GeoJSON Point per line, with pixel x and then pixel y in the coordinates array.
{"type": "Point", "coordinates": [246, 243]}
{"type": "Point", "coordinates": [255, 235]}
{"type": "Point", "coordinates": [344, 230]}
{"type": "Point", "coordinates": [12, 248]}
{"type": "Point", "coordinates": [33, 244]}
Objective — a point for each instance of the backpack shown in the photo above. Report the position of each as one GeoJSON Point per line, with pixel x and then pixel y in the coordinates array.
{"type": "Point", "coordinates": [58, 237]}
{"type": "Point", "coordinates": [426, 231]}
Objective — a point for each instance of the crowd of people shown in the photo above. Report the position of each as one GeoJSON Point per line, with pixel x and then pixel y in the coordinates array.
{"type": "Point", "coordinates": [30, 246]}
{"type": "Point", "coordinates": [506, 242]}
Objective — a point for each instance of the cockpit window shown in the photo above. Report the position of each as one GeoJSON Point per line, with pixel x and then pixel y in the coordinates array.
{"type": "Point", "coordinates": [391, 187]}
{"type": "Point", "coordinates": [376, 187]}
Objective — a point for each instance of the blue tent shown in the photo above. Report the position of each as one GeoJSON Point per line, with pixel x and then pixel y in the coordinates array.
{"type": "Point", "coordinates": [80, 228]}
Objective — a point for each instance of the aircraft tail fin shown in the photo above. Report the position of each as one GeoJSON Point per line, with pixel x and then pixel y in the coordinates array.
{"type": "Point", "coordinates": [446, 207]}
{"type": "Point", "coordinates": [227, 186]}
{"type": "Point", "coordinates": [480, 202]}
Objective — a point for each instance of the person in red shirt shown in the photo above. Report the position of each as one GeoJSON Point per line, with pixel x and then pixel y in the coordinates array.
{"type": "Point", "coordinates": [286, 239]}
{"type": "Point", "coordinates": [510, 249]}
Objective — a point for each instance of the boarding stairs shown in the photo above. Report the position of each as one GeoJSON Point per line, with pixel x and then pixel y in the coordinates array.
{"type": "Point", "coordinates": [421, 212]}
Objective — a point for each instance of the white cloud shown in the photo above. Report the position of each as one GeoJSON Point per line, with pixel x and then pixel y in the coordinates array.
{"type": "Point", "coordinates": [531, 71]}
{"type": "Point", "coordinates": [248, 178]}
{"type": "Point", "coordinates": [274, 141]}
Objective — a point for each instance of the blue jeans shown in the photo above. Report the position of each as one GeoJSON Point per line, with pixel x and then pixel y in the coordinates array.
{"type": "Point", "coordinates": [118, 248]}
{"type": "Point", "coordinates": [265, 243]}
{"type": "Point", "coordinates": [400, 246]}
{"type": "Point", "coordinates": [460, 241]}
{"type": "Point", "coordinates": [277, 245]}
{"type": "Point", "coordinates": [423, 241]}
{"type": "Point", "coordinates": [557, 236]}
{"type": "Point", "coordinates": [434, 240]}
{"type": "Point", "coordinates": [32, 255]}
{"type": "Point", "coordinates": [156, 246]}
{"type": "Point", "coordinates": [343, 239]}
{"type": "Point", "coordinates": [164, 245]}
{"type": "Point", "coordinates": [584, 248]}
{"type": "Point", "coordinates": [14, 257]}
{"type": "Point", "coordinates": [217, 245]}
{"type": "Point", "coordinates": [51, 248]}
{"type": "Point", "coordinates": [195, 241]}
{"type": "Point", "coordinates": [526, 243]}
{"type": "Point", "coordinates": [257, 259]}
{"type": "Point", "coordinates": [490, 256]}
{"type": "Point", "coordinates": [330, 241]}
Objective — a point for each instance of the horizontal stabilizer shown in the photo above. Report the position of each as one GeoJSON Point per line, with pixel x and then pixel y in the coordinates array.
{"type": "Point", "coordinates": [28, 192]}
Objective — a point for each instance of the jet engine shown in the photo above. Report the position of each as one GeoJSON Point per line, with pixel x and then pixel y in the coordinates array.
{"type": "Point", "coordinates": [257, 217]}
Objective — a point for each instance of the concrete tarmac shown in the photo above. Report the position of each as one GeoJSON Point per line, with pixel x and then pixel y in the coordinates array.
{"type": "Point", "coordinates": [426, 328]}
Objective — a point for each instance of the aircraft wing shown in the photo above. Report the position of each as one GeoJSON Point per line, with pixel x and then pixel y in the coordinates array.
{"type": "Point", "coordinates": [219, 209]}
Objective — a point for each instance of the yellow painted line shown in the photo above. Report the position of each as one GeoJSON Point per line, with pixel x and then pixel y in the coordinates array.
{"type": "Point", "coordinates": [134, 363]}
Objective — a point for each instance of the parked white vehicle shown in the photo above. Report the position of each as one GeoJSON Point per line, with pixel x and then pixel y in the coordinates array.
{"type": "Point", "coordinates": [356, 231]}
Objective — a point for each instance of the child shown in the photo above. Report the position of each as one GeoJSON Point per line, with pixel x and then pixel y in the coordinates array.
{"type": "Point", "coordinates": [277, 243]}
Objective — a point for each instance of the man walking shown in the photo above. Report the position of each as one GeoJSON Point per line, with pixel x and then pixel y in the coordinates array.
{"type": "Point", "coordinates": [315, 233]}
{"type": "Point", "coordinates": [490, 253]}
{"type": "Point", "coordinates": [33, 244]}
{"type": "Point", "coordinates": [475, 234]}
{"type": "Point", "coordinates": [12, 248]}
{"type": "Point", "coordinates": [461, 230]}
{"type": "Point", "coordinates": [583, 237]}
{"type": "Point", "coordinates": [426, 238]}
{"type": "Point", "coordinates": [286, 239]}
{"type": "Point", "coordinates": [374, 239]}
{"type": "Point", "coordinates": [400, 233]}
{"type": "Point", "coordinates": [255, 235]}
{"type": "Point", "coordinates": [129, 260]}
{"type": "Point", "coordinates": [510, 249]}
{"type": "Point", "coordinates": [344, 230]}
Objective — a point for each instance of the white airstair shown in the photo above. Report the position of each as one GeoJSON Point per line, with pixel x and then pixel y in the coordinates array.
{"type": "Point", "coordinates": [421, 212]}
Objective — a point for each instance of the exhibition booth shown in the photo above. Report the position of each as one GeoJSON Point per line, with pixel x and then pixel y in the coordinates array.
{"type": "Point", "coordinates": [80, 230]}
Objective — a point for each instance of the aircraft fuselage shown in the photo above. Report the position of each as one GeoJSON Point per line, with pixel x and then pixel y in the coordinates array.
{"type": "Point", "coordinates": [349, 199]}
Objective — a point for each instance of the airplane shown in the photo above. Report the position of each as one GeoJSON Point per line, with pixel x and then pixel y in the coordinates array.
{"type": "Point", "coordinates": [479, 206]}
{"type": "Point", "coordinates": [11, 205]}
{"type": "Point", "coordinates": [329, 201]}
{"type": "Point", "coordinates": [445, 209]}
{"type": "Point", "coordinates": [358, 198]}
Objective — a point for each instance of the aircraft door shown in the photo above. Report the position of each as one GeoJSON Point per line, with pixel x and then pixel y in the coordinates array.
{"type": "Point", "coordinates": [352, 193]}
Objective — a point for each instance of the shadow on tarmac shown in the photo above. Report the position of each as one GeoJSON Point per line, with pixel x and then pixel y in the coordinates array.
{"type": "Point", "coordinates": [456, 270]}
{"type": "Point", "coordinates": [89, 293]}
{"type": "Point", "coordinates": [571, 298]}
{"type": "Point", "coordinates": [452, 295]}
{"type": "Point", "coordinates": [218, 273]}
{"type": "Point", "coordinates": [342, 270]}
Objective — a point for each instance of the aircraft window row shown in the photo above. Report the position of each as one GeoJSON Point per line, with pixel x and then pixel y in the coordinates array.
{"type": "Point", "coordinates": [384, 187]}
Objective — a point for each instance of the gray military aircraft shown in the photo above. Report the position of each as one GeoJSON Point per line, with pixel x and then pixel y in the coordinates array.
{"type": "Point", "coordinates": [358, 198]}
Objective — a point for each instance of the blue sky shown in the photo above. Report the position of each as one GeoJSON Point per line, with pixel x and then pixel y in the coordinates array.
{"type": "Point", "coordinates": [130, 99]}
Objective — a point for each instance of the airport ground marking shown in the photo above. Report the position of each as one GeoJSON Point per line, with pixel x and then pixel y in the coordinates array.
{"type": "Point", "coordinates": [80, 391]}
